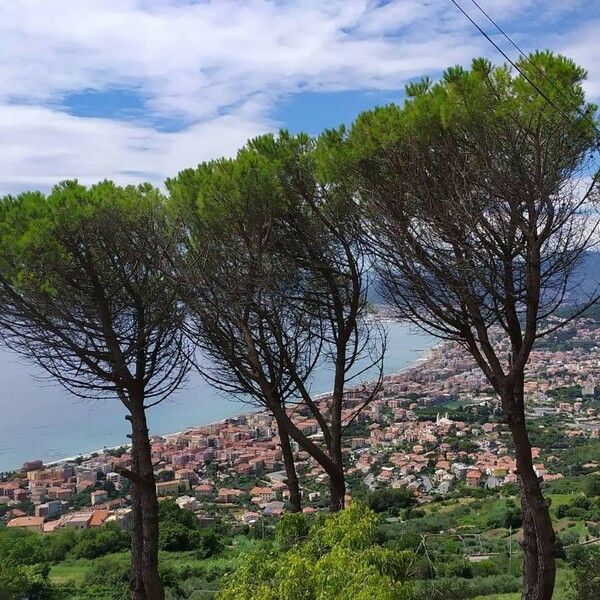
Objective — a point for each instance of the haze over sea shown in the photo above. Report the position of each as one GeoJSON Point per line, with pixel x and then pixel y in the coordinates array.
{"type": "Point", "coordinates": [39, 419]}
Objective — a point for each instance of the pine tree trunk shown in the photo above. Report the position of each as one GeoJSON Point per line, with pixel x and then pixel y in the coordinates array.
{"type": "Point", "coordinates": [333, 470]}
{"type": "Point", "coordinates": [337, 479]}
{"type": "Point", "coordinates": [136, 583]}
{"type": "Point", "coordinates": [146, 490]}
{"type": "Point", "coordinates": [539, 544]}
{"type": "Point", "coordinates": [290, 470]}
{"type": "Point", "coordinates": [337, 490]}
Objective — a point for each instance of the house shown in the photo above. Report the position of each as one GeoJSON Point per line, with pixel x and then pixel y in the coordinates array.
{"type": "Point", "coordinates": [20, 494]}
{"type": "Point", "coordinates": [122, 517]}
{"type": "Point", "coordinates": [78, 520]}
{"type": "Point", "coordinates": [84, 484]}
{"type": "Point", "coordinates": [185, 474]}
{"type": "Point", "coordinates": [203, 490]}
{"type": "Point", "coordinates": [187, 502]}
{"type": "Point", "coordinates": [229, 495]}
{"type": "Point", "coordinates": [262, 494]}
{"type": "Point", "coordinates": [494, 482]}
{"type": "Point", "coordinates": [444, 488]}
{"type": "Point", "coordinates": [98, 518]}
{"type": "Point", "coordinates": [8, 489]}
{"type": "Point", "coordinates": [273, 509]}
{"type": "Point", "coordinates": [249, 517]}
{"type": "Point", "coordinates": [51, 509]}
{"type": "Point", "coordinates": [50, 526]}
{"type": "Point", "coordinates": [59, 493]}
{"type": "Point", "coordinates": [164, 488]}
{"type": "Point", "coordinates": [29, 523]}
{"type": "Point", "coordinates": [98, 497]}
{"type": "Point", "coordinates": [473, 478]}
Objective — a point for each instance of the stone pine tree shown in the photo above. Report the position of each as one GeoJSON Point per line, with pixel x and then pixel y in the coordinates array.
{"type": "Point", "coordinates": [478, 194]}
{"type": "Point", "coordinates": [277, 283]}
{"type": "Point", "coordinates": [324, 224]}
{"type": "Point", "coordinates": [83, 297]}
{"type": "Point", "coordinates": [244, 296]}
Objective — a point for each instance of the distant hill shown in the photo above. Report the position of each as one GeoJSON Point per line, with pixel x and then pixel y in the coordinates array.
{"type": "Point", "coordinates": [585, 282]}
{"type": "Point", "coordinates": [586, 279]}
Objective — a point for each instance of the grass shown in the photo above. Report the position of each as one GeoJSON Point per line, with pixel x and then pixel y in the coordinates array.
{"type": "Point", "coordinates": [560, 500]}
{"type": "Point", "coordinates": [447, 506]}
{"type": "Point", "coordinates": [75, 571]}
{"type": "Point", "coordinates": [69, 572]}
{"type": "Point", "coordinates": [562, 589]}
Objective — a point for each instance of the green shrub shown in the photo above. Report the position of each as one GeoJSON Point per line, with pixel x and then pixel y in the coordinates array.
{"type": "Point", "coordinates": [390, 500]}
{"type": "Point", "coordinates": [340, 559]}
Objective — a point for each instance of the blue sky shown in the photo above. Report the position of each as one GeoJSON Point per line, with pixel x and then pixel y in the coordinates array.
{"type": "Point", "coordinates": [139, 89]}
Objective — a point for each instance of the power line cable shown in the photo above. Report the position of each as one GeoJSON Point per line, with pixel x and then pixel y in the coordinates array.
{"type": "Point", "coordinates": [539, 71]}
{"type": "Point", "coordinates": [515, 66]}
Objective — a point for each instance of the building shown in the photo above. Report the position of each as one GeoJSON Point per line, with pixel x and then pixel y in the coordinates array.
{"type": "Point", "coordinates": [79, 520]}
{"type": "Point", "coordinates": [204, 490]}
{"type": "Point", "coordinates": [29, 523]}
{"type": "Point", "coordinates": [228, 495]}
{"type": "Point", "coordinates": [263, 494]}
{"type": "Point", "coordinates": [164, 488]}
{"type": "Point", "coordinates": [98, 497]}
{"type": "Point", "coordinates": [33, 465]}
{"type": "Point", "coordinates": [187, 474]}
{"type": "Point", "coordinates": [59, 493]}
{"type": "Point", "coordinates": [113, 477]}
{"type": "Point", "coordinates": [51, 509]}
{"type": "Point", "coordinates": [98, 518]}
{"type": "Point", "coordinates": [473, 478]}
{"type": "Point", "coordinates": [122, 517]}
{"type": "Point", "coordinates": [188, 502]}
{"type": "Point", "coordinates": [8, 489]}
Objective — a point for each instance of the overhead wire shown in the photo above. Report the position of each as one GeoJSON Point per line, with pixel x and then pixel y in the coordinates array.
{"type": "Point", "coordinates": [535, 66]}
{"type": "Point", "coordinates": [516, 66]}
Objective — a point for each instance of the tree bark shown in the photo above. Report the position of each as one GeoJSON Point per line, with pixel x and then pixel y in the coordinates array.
{"type": "Point", "coordinates": [146, 489]}
{"type": "Point", "coordinates": [290, 470]}
{"type": "Point", "coordinates": [337, 490]}
{"type": "Point", "coordinates": [334, 470]}
{"type": "Point", "coordinates": [337, 479]}
{"type": "Point", "coordinates": [136, 582]}
{"type": "Point", "coordinates": [539, 544]}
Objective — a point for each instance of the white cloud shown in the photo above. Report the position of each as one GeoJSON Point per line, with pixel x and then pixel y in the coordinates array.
{"type": "Point", "coordinates": [584, 48]}
{"type": "Point", "coordinates": [194, 59]}
{"type": "Point", "coordinates": [218, 65]}
{"type": "Point", "coordinates": [40, 146]}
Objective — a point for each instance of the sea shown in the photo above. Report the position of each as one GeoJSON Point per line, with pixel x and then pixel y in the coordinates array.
{"type": "Point", "coordinates": [41, 420]}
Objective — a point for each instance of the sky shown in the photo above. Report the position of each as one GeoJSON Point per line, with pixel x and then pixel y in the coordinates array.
{"type": "Point", "coordinates": [136, 90]}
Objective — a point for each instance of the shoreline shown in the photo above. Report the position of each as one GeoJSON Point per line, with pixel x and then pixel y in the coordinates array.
{"type": "Point", "coordinates": [419, 353]}
{"type": "Point", "coordinates": [105, 449]}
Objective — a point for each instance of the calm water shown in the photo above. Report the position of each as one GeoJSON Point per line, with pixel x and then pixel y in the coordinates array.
{"type": "Point", "coordinates": [41, 420]}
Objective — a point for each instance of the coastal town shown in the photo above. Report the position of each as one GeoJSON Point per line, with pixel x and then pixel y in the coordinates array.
{"type": "Point", "coordinates": [433, 429]}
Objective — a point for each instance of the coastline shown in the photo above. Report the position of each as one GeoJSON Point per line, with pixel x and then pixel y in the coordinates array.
{"type": "Point", "coordinates": [44, 423]}
{"type": "Point", "coordinates": [87, 455]}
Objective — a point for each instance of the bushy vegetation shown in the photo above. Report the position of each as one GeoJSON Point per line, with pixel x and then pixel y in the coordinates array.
{"type": "Point", "coordinates": [391, 501]}
{"type": "Point", "coordinates": [180, 530]}
{"type": "Point", "coordinates": [338, 558]}
{"type": "Point", "coordinates": [421, 554]}
{"type": "Point", "coordinates": [97, 559]}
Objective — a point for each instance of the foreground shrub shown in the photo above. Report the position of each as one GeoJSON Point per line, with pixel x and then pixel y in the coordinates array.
{"type": "Point", "coordinates": [339, 559]}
